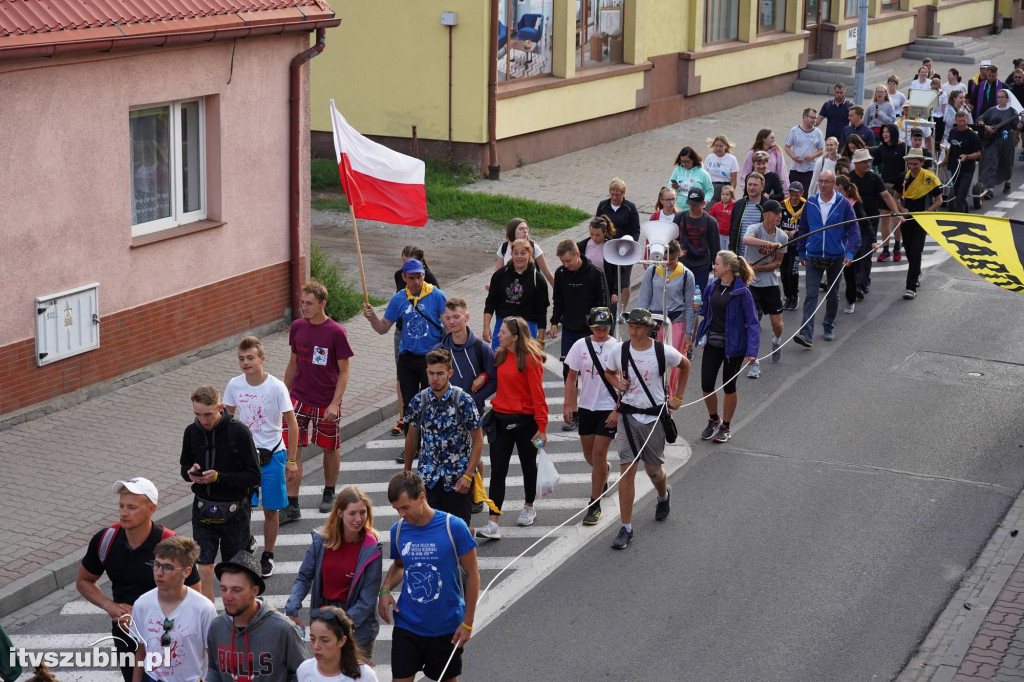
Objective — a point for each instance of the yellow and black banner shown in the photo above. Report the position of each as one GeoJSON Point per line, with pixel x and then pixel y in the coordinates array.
{"type": "Point", "coordinates": [989, 247]}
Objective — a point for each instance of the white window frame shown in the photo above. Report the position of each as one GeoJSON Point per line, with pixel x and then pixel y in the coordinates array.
{"type": "Point", "coordinates": [178, 215]}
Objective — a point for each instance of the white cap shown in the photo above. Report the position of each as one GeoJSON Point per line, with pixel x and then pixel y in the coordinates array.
{"type": "Point", "coordinates": [985, 62]}
{"type": "Point", "coordinates": [139, 486]}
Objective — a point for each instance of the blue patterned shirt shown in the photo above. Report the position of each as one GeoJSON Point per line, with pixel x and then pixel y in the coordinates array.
{"type": "Point", "coordinates": [445, 424]}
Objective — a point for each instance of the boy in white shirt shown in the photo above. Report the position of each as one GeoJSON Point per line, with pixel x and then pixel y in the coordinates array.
{"type": "Point", "coordinates": [261, 401]}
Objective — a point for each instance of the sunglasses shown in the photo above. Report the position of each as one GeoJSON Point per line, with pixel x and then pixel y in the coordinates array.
{"type": "Point", "coordinates": [323, 615]}
{"type": "Point", "coordinates": [165, 639]}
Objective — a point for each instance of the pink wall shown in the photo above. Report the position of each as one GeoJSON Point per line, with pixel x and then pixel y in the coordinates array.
{"type": "Point", "coordinates": [65, 173]}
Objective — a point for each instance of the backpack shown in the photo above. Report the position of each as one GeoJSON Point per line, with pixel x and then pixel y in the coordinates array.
{"type": "Point", "coordinates": [671, 431]}
{"type": "Point", "coordinates": [108, 539]}
{"type": "Point", "coordinates": [455, 550]}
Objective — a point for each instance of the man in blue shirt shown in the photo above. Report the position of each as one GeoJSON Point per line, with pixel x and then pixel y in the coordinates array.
{"type": "Point", "coordinates": [420, 306]}
{"type": "Point", "coordinates": [438, 605]}
{"type": "Point", "coordinates": [446, 418]}
{"type": "Point", "coordinates": [836, 112]}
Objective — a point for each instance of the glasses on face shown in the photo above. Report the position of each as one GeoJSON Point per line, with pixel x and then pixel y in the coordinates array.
{"type": "Point", "coordinates": [165, 639]}
{"type": "Point", "coordinates": [162, 568]}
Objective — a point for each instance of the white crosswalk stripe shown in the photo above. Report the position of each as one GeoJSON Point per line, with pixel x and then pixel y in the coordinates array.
{"type": "Point", "coordinates": [564, 479]}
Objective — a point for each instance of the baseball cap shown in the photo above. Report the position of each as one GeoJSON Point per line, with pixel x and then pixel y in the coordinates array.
{"type": "Point", "coordinates": [139, 486]}
{"type": "Point", "coordinates": [772, 206]}
{"type": "Point", "coordinates": [695, 195]}
{"type": "Point", "coordinates": [412, 266]}
{"type": "Point", "coordinates": [639, 316]}
{"type": "Point", "coordinates": [599, 317]}
{"type": "Point", "coordinates": [985, 62]}
{"type": "Point", "coordinates": [796, 186]}
{"type": "Point", "coordinates": [917, 132]}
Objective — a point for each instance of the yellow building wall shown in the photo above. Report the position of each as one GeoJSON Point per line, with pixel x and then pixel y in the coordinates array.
{"type": "Point", "coordinates": [386, 66]}
{"type": "Point", "coordinates": [963, 17]}
{"type": "Point", "coordinates": [560, 106]}
{"type": "Point", "coordinates": [881, 36]}
{"type": "Point", "coordinates": [738, 68]}
{"type": "Point", "coordinates": [661, 28]}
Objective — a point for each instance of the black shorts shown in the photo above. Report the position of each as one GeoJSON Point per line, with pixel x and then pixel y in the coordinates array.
{"type": "Point", "coordinates": [411, 653]}
{"type": "Point", "coordinates": [591, 423]}
{"type": "Point", "coordinates": [230, 537]}
{"type": "Point", "coordinates": [457, 504]}
{"type": "Point", "coordinates": [767, 299]}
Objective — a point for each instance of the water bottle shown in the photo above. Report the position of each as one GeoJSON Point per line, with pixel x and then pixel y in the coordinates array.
{"type": "Point", "coordinates": [698, 303]}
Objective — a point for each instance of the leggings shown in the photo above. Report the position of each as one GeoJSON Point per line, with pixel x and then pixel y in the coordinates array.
{"type": "Point", "coordinates": [514, 431]}
{"type": "Point", "coordinates": [711, 360]}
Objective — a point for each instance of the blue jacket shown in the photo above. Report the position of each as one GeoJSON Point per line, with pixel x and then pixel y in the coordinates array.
{"type": "Point", "coordinates": [742, 330]}
{"type": "Point", "coordinates": [362, 597]}
{"type": "Point", "coordinates": [468, 361]}
{"type": "Point", "coordinates": [840, 242]}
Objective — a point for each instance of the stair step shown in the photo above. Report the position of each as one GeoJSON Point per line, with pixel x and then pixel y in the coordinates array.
{"type": "Point", "coordinates": [954, 59]}
{"type": "Point", "coordinates": [840, 66]}
{"type": "Point", "coordinates": [871, 76]}
{"type": "Point", "coordinates": [813, 87]}
{"type": "Point", "coordinates": [939, 52]}
{"type": "Point", "coordinates": [944, 42]}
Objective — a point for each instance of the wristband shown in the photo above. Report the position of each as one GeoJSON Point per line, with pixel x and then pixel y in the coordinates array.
{"type": "Point", "coordinates": [676, 397]}
{"type": "Point", "coordinates": [468, 627]}
{"type": "Point", "coordinates": [383, 592]}
{"type": "Point", "coordinates": [291, 461]}
{"type": "Point", "coordinates": [468, 477]}
{"type": "Point", "coordinates": [216, 475]}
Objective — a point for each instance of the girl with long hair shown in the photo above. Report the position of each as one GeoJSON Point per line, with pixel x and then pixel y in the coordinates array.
{"type": "Point", "coordinates": [335, 654]}
{"type": "Point", "coordinates": [826, 161]}
{"type": "Point", "coordinates": [666, 206]}
{"type": "Point", "coordinates": [601, 230]}
{"type": "Point", "coordinates": [853, 143]}
{"type": "Point", "coordinates": [857, 274]}
{"type": "Point", "coordinates": [521, 416]}
{"type": "Point", "coordinates": [517, 289]}
{"type": "Point", "coordinates": [732, 333]}
{"type": "Point", "coordinates": [343, 566]}
{"type": "Point", "coordinates": [518, 229]}
{"type": "Point", "coordinates": [880, 111]}
{"type": "Point", "coordinates": [676, 282]}
{"type": "Point", "coordinates": [765, 142]}
{"type": "Point", "coordinates": [688, 173]}
{"type": "Point", "coordinates": [721, 165]}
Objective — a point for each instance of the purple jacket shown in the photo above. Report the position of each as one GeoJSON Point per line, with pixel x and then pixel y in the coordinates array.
{"type": "Point", "coordinates": [742, 330]}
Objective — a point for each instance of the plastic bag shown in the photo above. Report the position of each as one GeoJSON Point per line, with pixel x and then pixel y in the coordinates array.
{"type": "Point", "coordinates": [547, 475]}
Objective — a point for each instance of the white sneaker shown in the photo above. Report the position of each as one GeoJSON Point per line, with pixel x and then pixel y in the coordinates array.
{"type": "Point", "coordinates": [527, 516]}
{"type": "Point", "coordinates": [755, 370]}
{"type": "Point", "coordinates": [849, 308]}
{"type": "Point", "coordinates": [491, 531]}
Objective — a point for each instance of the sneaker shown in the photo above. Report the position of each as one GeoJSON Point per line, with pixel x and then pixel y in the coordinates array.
{"type": "Point", "coordinates": [803, 341]}
{"type": "Point", "coordinates": [593, 515]}
{"type": "Point", "coordinates": [776, 350]}
{"type": "Point", "coordinates": [623, 539]}
{"type": "Point", "coordinates": [1007, 189]}
{"type": "Point", "coordinates": [867, 289]}
{"type": "Point", "coordinates": [723, 435]}
{"type": "Point", "coordinates": [850, 307]}
{"type": "Point", "coordinates": [823, 286]}
{"type": "Point", "coordinates": [251, 548]}
{"type": "Point", "coordinates": [897, 256]}
{"type": "Point", "coordinates": [709, 431]}
{"type": "Point", "coordinates": [478, 507]}
{"type": "Point", "coordinates": [909, 295]}
{"type": "Point", "coordinates": [882, 257]}
{"type": "Point", "coordinates": [327, 501]}
{"type": "Point", "coordinates": [400, 458]}
{"type": "Point", "coordinates": [398, 429]}
{"type": "Point", "coordinates": [662, 509]}
{"type": "Point", "coordinates": [491, 531]}
{"type": "Point", "coordinates": [527, 516]}
{"type": "Point", "coordinates": [267, 565]}
{"type": "Point", "coordinates": [860, 293]}
{"type": "Point", "coordinates": [570, 426]}
{"type": "Point", "coordinates": [755, 370]}
{"type": "Point", "coordinates": [829, 335]}
{"type": "Point", "coordinates": [289, 514]}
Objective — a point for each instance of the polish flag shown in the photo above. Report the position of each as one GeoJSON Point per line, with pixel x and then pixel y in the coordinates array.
{"type": "Point", "coordinates": [380, 184]}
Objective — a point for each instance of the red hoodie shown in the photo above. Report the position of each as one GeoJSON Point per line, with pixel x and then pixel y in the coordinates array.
{"type": "Point", "coordinates": [522, 392]}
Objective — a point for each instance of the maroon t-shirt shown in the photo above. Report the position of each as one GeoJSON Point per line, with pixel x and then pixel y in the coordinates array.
{"type": "Point", "coordinates": [317, 348]}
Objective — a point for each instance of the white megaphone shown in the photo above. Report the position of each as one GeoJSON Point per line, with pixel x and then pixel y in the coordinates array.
{"type": "Point", "coordinates": [624, 251]}
{"type": "Point", "coordinates": [657, 234]}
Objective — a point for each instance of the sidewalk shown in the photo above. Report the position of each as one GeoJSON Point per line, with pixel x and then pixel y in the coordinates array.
{"type": "Point", "coordinates": [57, 469]}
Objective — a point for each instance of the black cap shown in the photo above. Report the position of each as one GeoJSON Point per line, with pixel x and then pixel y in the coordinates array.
{"type": "Point", "coordinates": [639, 316]}
{"type": "Point", "coordinates": [599, 317]}
{"type": "Point", "coordinates": [796, 186]}
{"type": "Point", "coordinates": [917, 132]}
{"type": "Point", "coordinates": [771, 206]}
{"type": "Point", "coordinates": [695, 195]}
{"type": "Point", "coordinates": [246, 562]}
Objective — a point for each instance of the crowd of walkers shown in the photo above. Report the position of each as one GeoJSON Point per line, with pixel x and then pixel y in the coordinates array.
{"type": "Point", "coordinates": [812, 200]}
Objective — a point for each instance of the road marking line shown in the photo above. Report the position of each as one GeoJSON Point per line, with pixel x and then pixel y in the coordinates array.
{"type": "Point", "coordinates": [510, 481]}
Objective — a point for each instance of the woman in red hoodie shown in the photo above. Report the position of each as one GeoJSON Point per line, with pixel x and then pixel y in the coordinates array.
{"type": "Point", "coordinates": [521, 415]}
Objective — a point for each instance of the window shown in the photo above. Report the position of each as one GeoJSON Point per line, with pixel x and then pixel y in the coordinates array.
{"type": "Point", "coordinates": [771, 16]}
{"type": "Point", "coordinates": [598, 32]}
{"type": "Point", "coordinates": [815, 12]}
{"type": "Point", "coordinates": [851, 7]}
{"type": "Point", "coordinates": [721, 20]}
{"type": "Point", "coordinates": [168, 155]}
{"type": "Point", "coordinates": [890, 4]}
{"type": "Point", "coordinates": [524, 38]}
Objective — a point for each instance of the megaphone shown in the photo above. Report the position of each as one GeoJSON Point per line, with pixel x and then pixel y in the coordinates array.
{"type": "Point", "coordinates": [658, 234]}
{"type": "Point", "coordinates": [624, 251]}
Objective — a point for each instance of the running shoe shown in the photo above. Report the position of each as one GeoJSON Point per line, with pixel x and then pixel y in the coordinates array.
{"type": "Point", "coordinates": [326, 502]}
{"type": "Point", "coordinates": [709, 431]}
{"type": "Point", "coordinates": [400, 457]}
{"type": "Point", "coordinates": [860, 294]}
{"type": "Point", "coordinates": [251, 548]}
{"type": "Point", "coordinates": [289, 514]}
{"type": "Point", "coordinates": [491, 531]}
{"type": "Point", "coordinates": [570, 426]}
{"type": "Point", "coordinates": [478, 507]}
{"type": "Point", "coordinates": [897, 256]}
{"type": "Point", "coordinates": [909, 295]}
{"type": "Point", "coordinates": [776, 350]}
{"type": "Point", "coordinates": [267, 565]}
{"type": "Point", "coordinates": [884, 256]}
{"type": "Point", "coordinates": [723, 435]}
{"type": "Point", "coordinates": [829, 335]}
{"type": "Point", "coordinates": [1007, 189]}
{"type": "Point", "coordinates": [398, 429]}
{"type": "Point", "coordinates": [623, 539]}
{"type": "Point", "coordinates": [527, 516]}
{"type": "Point", "coordinates": [662, 509]}
{"type": "Point", "coordinates": [803, 341]}
{"type": "Point", "coordinates": [755, 370]}
{"type": "Point", "coordinates": [850, 307]}
{"type": "Point", "coordinates": [593, 515]}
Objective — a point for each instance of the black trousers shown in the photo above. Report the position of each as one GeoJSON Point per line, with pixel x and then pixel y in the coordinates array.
{"type": "Point", "coordinates": [913, 244]}
{"type": "Point", "coordinates": [515, 431]}
{"type": "Point", "coordinates": [857, 274]}
{"type": "Point", "coordinates": [790, 275]}
{"type": "Point", "coordinates": [412, 376]}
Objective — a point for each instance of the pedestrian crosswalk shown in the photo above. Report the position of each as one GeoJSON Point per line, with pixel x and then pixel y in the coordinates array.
{"type": "Point", "coordinates": [933, 254]}
{"type": "Point", "coordinates": [77, 625]}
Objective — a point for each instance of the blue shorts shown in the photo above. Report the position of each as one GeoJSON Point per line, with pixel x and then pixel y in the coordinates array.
{"type": "Point", "coordinates": [272, 487]}
{"type": "Point", "coordinates": [497, 328]}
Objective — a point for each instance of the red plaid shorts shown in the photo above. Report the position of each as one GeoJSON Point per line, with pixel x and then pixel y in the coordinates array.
{"type": "Point", "coordinates": [326, 433]}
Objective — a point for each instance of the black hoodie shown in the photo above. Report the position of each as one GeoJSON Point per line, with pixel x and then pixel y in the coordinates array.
{"type": "Point", "coordinates": [576, 292]}
{"type": "Point", "coordinates": [522, 294]}
{"type": "Point", "coordinates": [889, 157]}
{"type": "Point", "coordinates": [229, 450]}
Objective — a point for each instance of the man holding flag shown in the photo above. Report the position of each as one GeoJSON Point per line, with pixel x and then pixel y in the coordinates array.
{"type": "Point", "coordinates": [920, 190]}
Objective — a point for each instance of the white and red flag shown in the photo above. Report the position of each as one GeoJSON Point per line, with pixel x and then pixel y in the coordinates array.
{"type": "Point", "coordinates": [380, 184]}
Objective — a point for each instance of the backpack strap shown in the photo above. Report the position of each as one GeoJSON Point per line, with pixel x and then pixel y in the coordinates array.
{"type": "Point", "coordinates": [504, 248]}
{"type": "Point", "coordinates": [398, 535]}
{"type": "Point", "coordinates": [106, 541]}
{"type": "Point", "coordinates": [455, 550]}
{"type": "Point", "coordinates": [659, 353]}
{"type": "Point", "coordinates": [600, 370]}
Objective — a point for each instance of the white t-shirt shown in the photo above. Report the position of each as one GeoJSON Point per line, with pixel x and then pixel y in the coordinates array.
{"type": "Point", "coordinates": [647, 362]}
{"type": "Point", "coordinates": [260, 408]}
{"type": "Point", "coordinates": [537, 251]}
{"type": "Point", "coordinates": [307, 672]}
{"type": "Point", "coordinates": [192, 621]}
{"type": "Point", "coordinates": [594, 394]}
{"type": "Point", "coordinates": [721, 168]}
{"type": "Point", "coordinates": [595, 253]}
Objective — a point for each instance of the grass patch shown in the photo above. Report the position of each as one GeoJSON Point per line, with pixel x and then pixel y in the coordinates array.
{"type": "Point", "coordinates": [445, 201]}
{"type": "Point", "coordinates": [343, 301]}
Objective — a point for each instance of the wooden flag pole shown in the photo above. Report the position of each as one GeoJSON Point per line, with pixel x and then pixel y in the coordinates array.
{"type": "Point", "coordinates": [359, 254]}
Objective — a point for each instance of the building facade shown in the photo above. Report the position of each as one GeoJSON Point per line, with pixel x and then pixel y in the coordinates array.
{"type": "Point", "coordinates": [568, 74]}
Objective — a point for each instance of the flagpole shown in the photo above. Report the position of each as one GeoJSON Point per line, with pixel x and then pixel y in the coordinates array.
{"type": "Point", "coordinates": [359, 253]}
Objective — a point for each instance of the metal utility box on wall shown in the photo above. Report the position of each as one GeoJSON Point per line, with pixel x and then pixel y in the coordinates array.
{"type": "Point", "coordinates": [67, 323]}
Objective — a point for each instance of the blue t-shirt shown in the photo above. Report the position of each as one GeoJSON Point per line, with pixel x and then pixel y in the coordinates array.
{"type": "Point", "coordinates": [418, 335]}
{"type": "Point", "coordinates": [431, 603]}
